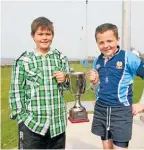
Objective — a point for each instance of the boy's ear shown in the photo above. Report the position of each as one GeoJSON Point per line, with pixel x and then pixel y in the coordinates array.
{"type": "Point", "coordinates": [118, 38]}
{"type": "Point", "coordinates": [32, 36]}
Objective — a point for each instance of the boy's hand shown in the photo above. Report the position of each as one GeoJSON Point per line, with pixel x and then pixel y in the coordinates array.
{"type": "Point", "coordinates": [137, 108]}
{"type": "Point", "coordinates": [94, 77]}
{"type": "Point", "coordinates": [60, 76]}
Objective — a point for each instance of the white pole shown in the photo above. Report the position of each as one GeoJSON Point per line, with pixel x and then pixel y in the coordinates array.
{"type": "Point", "coordinates": [86, 31]}
{"type": "Point", "coordinates": [126, 24]}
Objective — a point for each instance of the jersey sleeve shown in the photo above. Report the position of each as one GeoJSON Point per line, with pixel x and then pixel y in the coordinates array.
{"type": "Point", "coordinates": [135, 64]}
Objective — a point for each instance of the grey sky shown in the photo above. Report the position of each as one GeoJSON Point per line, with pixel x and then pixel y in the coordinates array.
{"type": "Point", "coordinates": [68, 18]}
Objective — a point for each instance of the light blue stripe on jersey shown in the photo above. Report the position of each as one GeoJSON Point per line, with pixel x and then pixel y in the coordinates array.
{"type": "Point", "coordinates": [94, 64]}
{"type": "Point", "coordinates": [132, 62]}
{"type": "Point", "coordinates": [97, 86]}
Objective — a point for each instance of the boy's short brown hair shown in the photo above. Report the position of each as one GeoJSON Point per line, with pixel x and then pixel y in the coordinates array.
{"type": "Point", "coordinates": [105, 27]}
{"type": "Point", "coordinates": [42, 22]}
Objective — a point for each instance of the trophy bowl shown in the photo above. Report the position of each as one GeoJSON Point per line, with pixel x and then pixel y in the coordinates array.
{"type": "Point", "coordinates": [78, 82]}
{"type": "Point", "coordinates": [78, 85]}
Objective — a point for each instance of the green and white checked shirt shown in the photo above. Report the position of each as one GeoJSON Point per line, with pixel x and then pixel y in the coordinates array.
{"type": "Point", "coordinates": [35, 97]}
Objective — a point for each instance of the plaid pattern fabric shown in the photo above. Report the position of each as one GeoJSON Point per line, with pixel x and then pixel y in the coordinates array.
{"type": "Point", "coordinates": [35, 97]}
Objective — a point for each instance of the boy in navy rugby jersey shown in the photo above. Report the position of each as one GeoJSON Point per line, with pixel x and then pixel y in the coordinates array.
{"type": "Point", "coordinates": [114, 69]}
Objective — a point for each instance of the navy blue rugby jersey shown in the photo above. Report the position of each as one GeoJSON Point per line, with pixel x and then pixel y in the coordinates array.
{"type": "Point", "coordinates": [116, 78]}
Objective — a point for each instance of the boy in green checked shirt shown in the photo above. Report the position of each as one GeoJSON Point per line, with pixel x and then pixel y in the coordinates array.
{"type": "Point", "coordinates": [36, 98]}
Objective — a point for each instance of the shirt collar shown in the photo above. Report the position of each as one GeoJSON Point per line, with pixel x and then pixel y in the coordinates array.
{"type": "Point", "coordinates": [36, 53]}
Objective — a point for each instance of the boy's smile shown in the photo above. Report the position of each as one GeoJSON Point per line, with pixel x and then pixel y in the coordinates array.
{"type": "Point", "coordinates": [107, 42]}
{"type": "Point", "coordinates": [43, 39]}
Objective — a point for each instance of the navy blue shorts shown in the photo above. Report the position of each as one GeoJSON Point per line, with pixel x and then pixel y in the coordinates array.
{"type": "Point", "coordinates": [113, 123]}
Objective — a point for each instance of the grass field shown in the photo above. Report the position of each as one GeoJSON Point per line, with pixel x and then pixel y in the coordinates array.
{"type": "Point", "coordinates": [9, 127]}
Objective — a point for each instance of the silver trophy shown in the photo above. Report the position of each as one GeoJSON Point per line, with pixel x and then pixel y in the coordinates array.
{"type": "Point", "coordinates": [78, 86]}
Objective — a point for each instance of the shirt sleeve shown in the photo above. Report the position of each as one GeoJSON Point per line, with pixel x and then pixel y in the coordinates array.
{"type": "Point", "coordinates": [17, 93]}
{"type": "Point", "coordinates": [135, 64]}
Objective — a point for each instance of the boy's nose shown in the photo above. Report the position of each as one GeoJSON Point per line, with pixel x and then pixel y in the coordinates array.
{"type": "Point", "coordinates": [106, 45]}
{"type": "Point", "coordinates": [44, 36]}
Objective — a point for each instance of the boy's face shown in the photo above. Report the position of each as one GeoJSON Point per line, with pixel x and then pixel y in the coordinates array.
{"type": "Point", "coordinates": [107, 42]}
{"type": "Point", "coordinates": [43, 39]}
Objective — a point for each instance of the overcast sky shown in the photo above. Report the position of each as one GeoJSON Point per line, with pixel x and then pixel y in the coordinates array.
{"type": "Point", "coordinates": [68, 17]}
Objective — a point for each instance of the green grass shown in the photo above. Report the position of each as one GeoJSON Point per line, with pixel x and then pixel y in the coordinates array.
{"type": "Point", "coordinates": [8, 127]}
{"type": "Point", "coordinates": [9, 131]}
{"type": "Point", "coordinates": [138, 89]}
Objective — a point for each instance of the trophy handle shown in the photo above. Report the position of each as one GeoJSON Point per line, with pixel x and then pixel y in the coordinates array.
{"type": "Point", "coordinates": [91, 87]}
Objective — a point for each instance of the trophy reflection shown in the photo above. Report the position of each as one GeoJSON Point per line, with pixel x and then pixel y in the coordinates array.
{"type": "Point", "coordinates": [78, 85]}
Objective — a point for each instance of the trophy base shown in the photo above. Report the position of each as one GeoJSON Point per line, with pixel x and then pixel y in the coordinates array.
{"type": "Point", "coordinates": [78, 117]}
{"type": "Point", "coordinates": [78, 120]}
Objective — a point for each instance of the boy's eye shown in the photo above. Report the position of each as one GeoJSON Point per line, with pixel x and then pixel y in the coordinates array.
{"type": "Point", "coordinates": [109, 41]}
{"type": "Point", "coordinates": [101, 43]}
{"type": "Point", "coordinates": [40, 34]}
{"type": "Point", "coordinates": [48, 33]}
